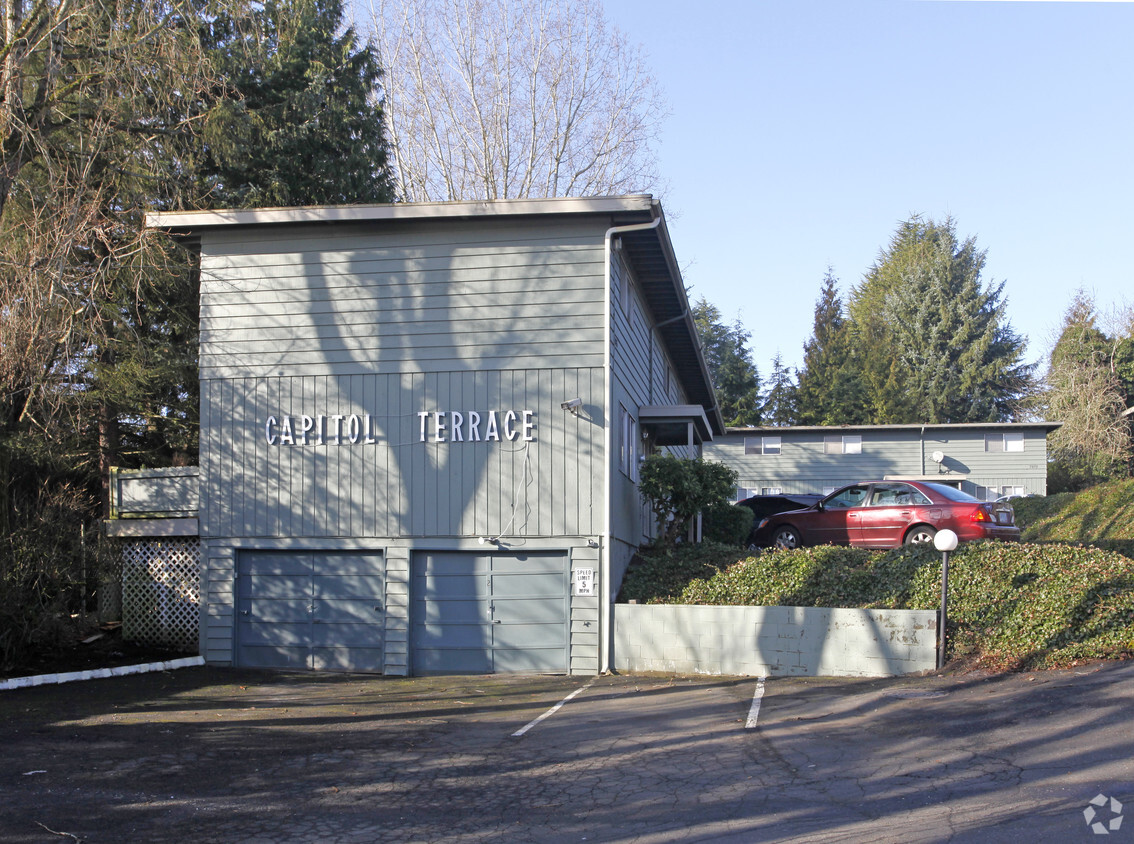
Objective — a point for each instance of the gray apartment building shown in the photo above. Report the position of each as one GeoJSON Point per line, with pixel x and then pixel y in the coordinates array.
{"type": "Point", "coordinates": [421, 426]}
{"type": "Point", "coordinates": [988, 460]}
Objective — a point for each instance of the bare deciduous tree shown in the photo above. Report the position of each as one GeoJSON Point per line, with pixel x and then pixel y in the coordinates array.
{"type": "Point", "coordinates": [497, 99]}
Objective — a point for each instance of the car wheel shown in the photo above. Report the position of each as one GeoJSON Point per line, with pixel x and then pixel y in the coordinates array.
{"type": "Point", "coordinates": [920, 535]}
{"type": "Point", "coordinates": [786, 537]}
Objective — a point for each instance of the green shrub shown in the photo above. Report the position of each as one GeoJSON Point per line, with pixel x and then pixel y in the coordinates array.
{"type": "Point", "coordinates": [1010, 605]}
{"type": "Point", "coordinates": [728, 524]}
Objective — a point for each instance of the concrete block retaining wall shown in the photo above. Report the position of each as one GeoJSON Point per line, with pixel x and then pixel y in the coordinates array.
{"type": "Point", "coordinates": [774, 641]}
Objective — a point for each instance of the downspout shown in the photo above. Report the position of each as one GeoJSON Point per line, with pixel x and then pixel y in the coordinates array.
{"type": "Point", "coordinates": [605, 596]}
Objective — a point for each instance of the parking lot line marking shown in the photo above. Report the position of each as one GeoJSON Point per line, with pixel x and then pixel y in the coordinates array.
{"type": "Point", "coordinates": [551, 711]}
{"type": "Point", "coordinates": [754, 710]}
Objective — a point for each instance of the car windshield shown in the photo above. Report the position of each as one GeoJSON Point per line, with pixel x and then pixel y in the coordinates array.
{"type": "Point", "coordinates": [952, 493]}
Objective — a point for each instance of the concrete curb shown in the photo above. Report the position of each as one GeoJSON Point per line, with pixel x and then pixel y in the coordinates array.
{"type": "Point", "coordinates": [100, 673]}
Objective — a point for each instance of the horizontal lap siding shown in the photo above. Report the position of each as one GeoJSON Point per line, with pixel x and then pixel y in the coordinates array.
{"type": "Point", "coordinates": [398, 299]}
{"type": "Point", "coordinates": [802, 465]}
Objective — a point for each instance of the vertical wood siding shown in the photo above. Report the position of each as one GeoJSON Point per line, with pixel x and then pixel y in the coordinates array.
{"type": "Point", "coordinates": [399, 486]}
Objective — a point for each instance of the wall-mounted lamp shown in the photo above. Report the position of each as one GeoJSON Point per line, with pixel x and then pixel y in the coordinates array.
{"type": "Point", "coordinates": [572, 406]}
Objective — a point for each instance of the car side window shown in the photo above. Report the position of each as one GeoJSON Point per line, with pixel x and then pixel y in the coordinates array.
{"type": "Point", "coordinates": [896, 495]}
{"type": "Point", "coordinates": [852, 496]}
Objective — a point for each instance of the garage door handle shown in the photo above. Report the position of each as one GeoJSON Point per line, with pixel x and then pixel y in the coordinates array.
{"type": "Point", "coordinates": [496, 621]}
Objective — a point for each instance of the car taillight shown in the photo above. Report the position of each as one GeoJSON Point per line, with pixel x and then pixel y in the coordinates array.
{"type": "Point", "coordinates": [980, 515]}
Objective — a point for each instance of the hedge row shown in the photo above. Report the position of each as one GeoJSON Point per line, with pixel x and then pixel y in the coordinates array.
{"type": "Point", "coordinates": [1010, 605]}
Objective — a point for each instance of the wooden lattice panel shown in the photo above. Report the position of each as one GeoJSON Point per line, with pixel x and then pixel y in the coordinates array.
{"type": "Point", "coordinates": [161, 592]}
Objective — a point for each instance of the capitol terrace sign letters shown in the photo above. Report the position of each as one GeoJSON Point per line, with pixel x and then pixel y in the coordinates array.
{"type": "Point", "coordinates": [436, 426]}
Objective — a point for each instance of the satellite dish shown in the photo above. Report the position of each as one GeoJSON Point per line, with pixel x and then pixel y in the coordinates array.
{"type": "Point", "coordinates": [938, 456]}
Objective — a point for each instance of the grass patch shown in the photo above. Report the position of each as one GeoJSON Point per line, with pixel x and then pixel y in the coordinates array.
{"type": "Point", "coordinates": [1010, 605]}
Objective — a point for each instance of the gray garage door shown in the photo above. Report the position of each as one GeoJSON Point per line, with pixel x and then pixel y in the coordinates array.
{"type": "Point", "coordinates": [490, 613]}
{"type": "Point", "coordinates": [314, 610]}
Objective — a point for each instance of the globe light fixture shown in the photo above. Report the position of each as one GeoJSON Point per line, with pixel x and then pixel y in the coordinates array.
{"type": "Point", "coordinates": [945, 541]}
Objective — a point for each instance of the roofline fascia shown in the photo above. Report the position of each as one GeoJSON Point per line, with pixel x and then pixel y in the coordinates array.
{"type": "Point", "coordinates": [632, 204]}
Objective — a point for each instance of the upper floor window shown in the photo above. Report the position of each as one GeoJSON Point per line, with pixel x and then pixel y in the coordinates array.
{"type": "Point", "coordinates": [1006, 441]}
{"type": "Point", "coordinates": [842, 444]}
{"type": "Point", "coordinates": [761, 445]}
{"type": "Point", "coordinates": [628, 445]}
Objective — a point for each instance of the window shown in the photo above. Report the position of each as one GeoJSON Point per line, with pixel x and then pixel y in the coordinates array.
{"type": "Point", "coordinates": [761, 445]}
{"type": "Point", "coordinates": [628, 445]}
{"type": "Point", "coordinates": [771, 490]}
{"type": "Point", "coordinates": [842, 444]}
{"type": "Point", "coordinates": [1007, 441]}
{"type": "Point", "coordinates": [1011, 490]}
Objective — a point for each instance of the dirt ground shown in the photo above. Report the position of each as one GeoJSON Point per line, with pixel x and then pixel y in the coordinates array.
{"type": "Point", "coordinates": [83, 647]}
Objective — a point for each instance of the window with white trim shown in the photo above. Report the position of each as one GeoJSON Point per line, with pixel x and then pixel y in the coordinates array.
{"type": "Point", "coordinates": [842, 444]}
{"type": "Point", "coordinates": [771, 490]}
{"type": "Point", "coordinates": [1006, 441]}
{"type": "Point", "coordinates": [762, 445]}
{"type": "Point", "coordinates": [628, 444]}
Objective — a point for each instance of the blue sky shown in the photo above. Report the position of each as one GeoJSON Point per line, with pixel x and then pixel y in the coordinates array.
{"type": "Point", "coordinates": [804, 131]}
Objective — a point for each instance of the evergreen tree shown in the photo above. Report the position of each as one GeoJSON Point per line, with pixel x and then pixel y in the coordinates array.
{"type": "Point", "coordinates": [781, 401]}
{"type": "Point", "coordinates": [303, 124]}
{"type": "Point", "coordinates": [735, 376]}
{"type": "Point", "coordinates": [935, 342]}
{"type": "Point", "coordinates": [829, 390]}
{"type": "Point", "coordinates": [1087, 392]}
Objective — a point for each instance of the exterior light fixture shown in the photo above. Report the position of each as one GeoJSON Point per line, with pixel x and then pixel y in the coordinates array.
{"type": "Point", "coordinates": [945, 541]}
{"type": "Point", "coordinates": [572, 406]}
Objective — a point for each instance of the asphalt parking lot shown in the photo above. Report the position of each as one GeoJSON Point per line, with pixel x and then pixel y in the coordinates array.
{"type": "Point", "coordinates": [214, 755]}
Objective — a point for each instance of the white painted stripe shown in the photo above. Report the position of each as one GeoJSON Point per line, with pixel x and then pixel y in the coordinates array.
{"type": "Point", "coordinates": [552, 711]}
{"type": "Point", "coordinates": [754, 711]}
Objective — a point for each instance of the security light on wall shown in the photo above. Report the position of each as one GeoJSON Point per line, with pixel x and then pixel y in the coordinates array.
{"type": "Point", "coordinates": [572, 405]}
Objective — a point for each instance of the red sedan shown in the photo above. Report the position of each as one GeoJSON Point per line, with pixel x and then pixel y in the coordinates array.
{"type": "Point", "coordinates": [886, 514]}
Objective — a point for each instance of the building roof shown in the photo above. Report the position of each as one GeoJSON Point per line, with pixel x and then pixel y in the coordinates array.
{"type": "Point", "coordinates": [941, 426]}
{"type": "Point", "coordinates": [649, 252]}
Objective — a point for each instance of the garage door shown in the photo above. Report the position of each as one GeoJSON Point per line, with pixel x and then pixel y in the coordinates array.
{"type": "Point", "coordinates": [490, 613]}
{"type": "Point", "coordinates": [312, 610]}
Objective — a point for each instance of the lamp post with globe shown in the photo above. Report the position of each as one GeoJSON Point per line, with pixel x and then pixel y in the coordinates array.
{"type": "Point", "coordinates": [945, 541]}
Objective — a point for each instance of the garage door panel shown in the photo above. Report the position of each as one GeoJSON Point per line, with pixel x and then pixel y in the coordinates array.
{"type": "Point", "coordinates": [441, 563]}
{"type": "Point", "coordinates": [508, 660]}
{"type": "Point", "coordinates": [279, 563]}
{"type": "Point", "coordinates": [289, 611]}
{"type": "Point", "coordinates": [452, 612]}
{"type": "Point", "coordinates": [454, 635]}
{"type": "Point", "coordinates": [367, 660]}
{"type": "Point", "coordinates": [465, 586]}
{"type": "Point", "coordinates": [528, 636]}
{"type": "Point", "coordinates": [513, 611]}
{"type": "Point", "coordinates": [453, 661]}
{"type": "Point", "coordinates": [347, 565]}
{"type": "Point", "coordinates": [285, 635]}
{"type": "Point", "coordinates": [275, 656]}
{"type": "Point", "coordinates": [353, 586]}
{"type": "Point", "coordinates": [464, 601]}
{"type": "Point", "coordinates": [528, 585]}
{"type": "Point", "coordinates": [358, 611]}
{"type": "Point", "coordinates": [278, 587]}
{"type": "Point", "coordinates": [310, 610]}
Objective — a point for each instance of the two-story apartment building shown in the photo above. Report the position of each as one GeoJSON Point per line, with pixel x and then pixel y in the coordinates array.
{"type": "Point", "coordinates": [988, 460]}
{"type": "Point", "coordinates": [421, 427]}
